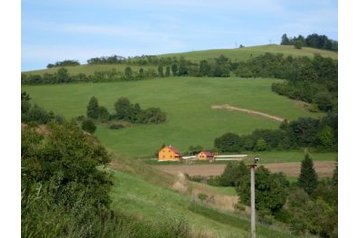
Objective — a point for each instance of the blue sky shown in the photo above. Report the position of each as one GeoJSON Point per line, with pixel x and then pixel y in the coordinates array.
{"type": "Point", "coordinates": [77, 29]}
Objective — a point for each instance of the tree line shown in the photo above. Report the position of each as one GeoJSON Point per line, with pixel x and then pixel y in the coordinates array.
{"type": "Point", "coordinates": [313, 40]}
{"type": "Point", "coordinates": [320, 134]}
{"type": "Point", "coordinates": [62, 76]}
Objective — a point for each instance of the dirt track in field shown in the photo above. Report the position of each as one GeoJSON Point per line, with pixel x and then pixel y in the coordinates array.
{"type": "Point", "coordinates": [323, 168]}
{"type": "Point", "coordinates": [232, 108]}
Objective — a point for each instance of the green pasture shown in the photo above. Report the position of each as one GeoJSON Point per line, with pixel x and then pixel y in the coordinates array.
{"type": "Point", "coordinates": [242, 54]}
{"type": "Point", "coordinates": [187, 102]}
{"type": "Point", "coordinates": [136, 196]}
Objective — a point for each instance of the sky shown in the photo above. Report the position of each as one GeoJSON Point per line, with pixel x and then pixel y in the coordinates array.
{"type": "Point", "coordinates": [56, 30]}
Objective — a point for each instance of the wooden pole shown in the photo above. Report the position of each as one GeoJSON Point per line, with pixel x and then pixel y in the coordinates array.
{"type": "Point", "coordinates": [253, 215]}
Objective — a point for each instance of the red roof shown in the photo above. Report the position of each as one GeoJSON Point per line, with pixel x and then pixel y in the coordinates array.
{"type": "Point", "coordinates": [176, 151]}
{"type": "Point", "coordinates": [207, 153]}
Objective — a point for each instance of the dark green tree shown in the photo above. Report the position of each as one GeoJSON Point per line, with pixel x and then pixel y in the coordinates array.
{"type": "Point", "coordinates": [122, 107]}
{"type": "Point", "coordinates": [25, 103]}
{"type": "Point", "coordinates": [308, 178]}
{"type": "Point", "coordinates": [153, 115]}
{"type": "Point", "coordinates": [271, 190]}
{"type": "Point", "coordinates": [160, 71]}
{"type": "Point", "coordinates": [204, 68]}
{"type": "Point", "coordinates": [128, 73]}
{"type": "Point", "coordinates": [63, 76]}
{"type": "Point", "coordinates": [324, 101]}
{"type": "Point", "coordinates": [194, 150]}
{"type": "Point", "coordinates": [174, 69]}
{"type": "Point", "coordinates": [233, 172]}
{"type": "Point", "coordinates": [141, 73]}
{"type": "Point", "coordinates": [37, 115]}
{"type": "Point", "coordinates": [103, 113]}
{"type": "Point", "coordinates": [315, 216]}
{"type": "Point", "coordinates": [89, 126]}
{"type": "Point", "coordinates": [93, 108]}
{"type": "Point", "coordinates": [167, 71]}
{"type": "Point", "coordinates": [285, 40]}
{"type": "Point", "coordinates": [298, 45]}
{"type": "Point", "coordinates": [228, 142]}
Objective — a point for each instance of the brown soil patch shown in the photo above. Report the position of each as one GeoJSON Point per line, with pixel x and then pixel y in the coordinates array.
{"type": "Point", "coordinates": [323, 168]}
{"type": "Point", "coordinates": [232, 108]}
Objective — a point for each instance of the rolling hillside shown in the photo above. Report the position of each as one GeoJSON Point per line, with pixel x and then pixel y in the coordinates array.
{"type": "Point", "coordinates": [188, 102]}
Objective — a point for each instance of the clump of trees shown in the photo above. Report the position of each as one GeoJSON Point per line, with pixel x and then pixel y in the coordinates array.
{"type": "Point", "coordinates": [63, 63]}
{"type": "Point", "coordinates": [124, 111]}
{"type": "Point", "coordinates": [312, 206]}
{"type": "Point", "coordinates": [308, 206]}
{"type": "Point", "coordinates": [133, 112]}
{"type": "Point", "coordinates": [321, 134]}
{"type": "Point", "coordinates": [313, 40]}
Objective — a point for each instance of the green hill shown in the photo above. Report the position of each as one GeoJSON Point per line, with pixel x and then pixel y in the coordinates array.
{"type": "Point", "coordinates": [245, 53]}
{"type": "Point", "coordinates": [188, 102]}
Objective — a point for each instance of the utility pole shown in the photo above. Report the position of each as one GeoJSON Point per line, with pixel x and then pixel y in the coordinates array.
{"type": "Point", "coordinates": [252, 185]}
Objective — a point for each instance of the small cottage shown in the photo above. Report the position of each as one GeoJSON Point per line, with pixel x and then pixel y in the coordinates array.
{"type": "Point", "coordinates": [205, 155]}
{"type": "Point", "coordinates": [169, 153]}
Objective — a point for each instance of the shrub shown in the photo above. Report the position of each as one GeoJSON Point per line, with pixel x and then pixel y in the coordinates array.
{"type": "Point", "coordinates": [115, 126]}
{"type": "Point", "coordinates": [89, 126]}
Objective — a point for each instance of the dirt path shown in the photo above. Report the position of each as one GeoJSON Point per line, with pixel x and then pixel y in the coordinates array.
{"type": "Point", "coordinates": [232, 108]}
{"type": "Point", "coordinates": [323, 168]}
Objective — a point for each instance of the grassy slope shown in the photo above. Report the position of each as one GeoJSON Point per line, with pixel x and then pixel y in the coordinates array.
{"type": "Point", "coordinates": [187, 102]}
{"type": "Point", "coordinates": [246, 53]}
{"type": "Point", "coordinates": [148, 196]}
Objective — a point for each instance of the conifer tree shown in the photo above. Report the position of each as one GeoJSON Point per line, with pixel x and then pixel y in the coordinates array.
{"type": "Point", "coordinates": [308, 179]}
{"type": "Point", "coordinates": [93, 108]}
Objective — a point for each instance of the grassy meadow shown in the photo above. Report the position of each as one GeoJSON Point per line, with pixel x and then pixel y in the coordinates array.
{"type": "Point", "coordinates": [187, 102]}
{"type": "Point", "coordinates": [136, 196]}
{"type": "Point", "coordinates": [245, 53]}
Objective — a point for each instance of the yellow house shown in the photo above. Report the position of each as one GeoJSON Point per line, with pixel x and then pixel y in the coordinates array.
{"type": "Point", "coordinates": [169, 153]}
{"type": "Point", "coordinates": [205, 155]}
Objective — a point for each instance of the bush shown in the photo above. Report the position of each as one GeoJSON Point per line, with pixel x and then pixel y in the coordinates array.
{"type": "Point", "coordinates": [89, 126]}
{"type": "Point", "coordinates": [233, 172]}
{"type": "Point", "coordinates": [63, 194]}
{"type": "Point", "coordinates": [115, 126]}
